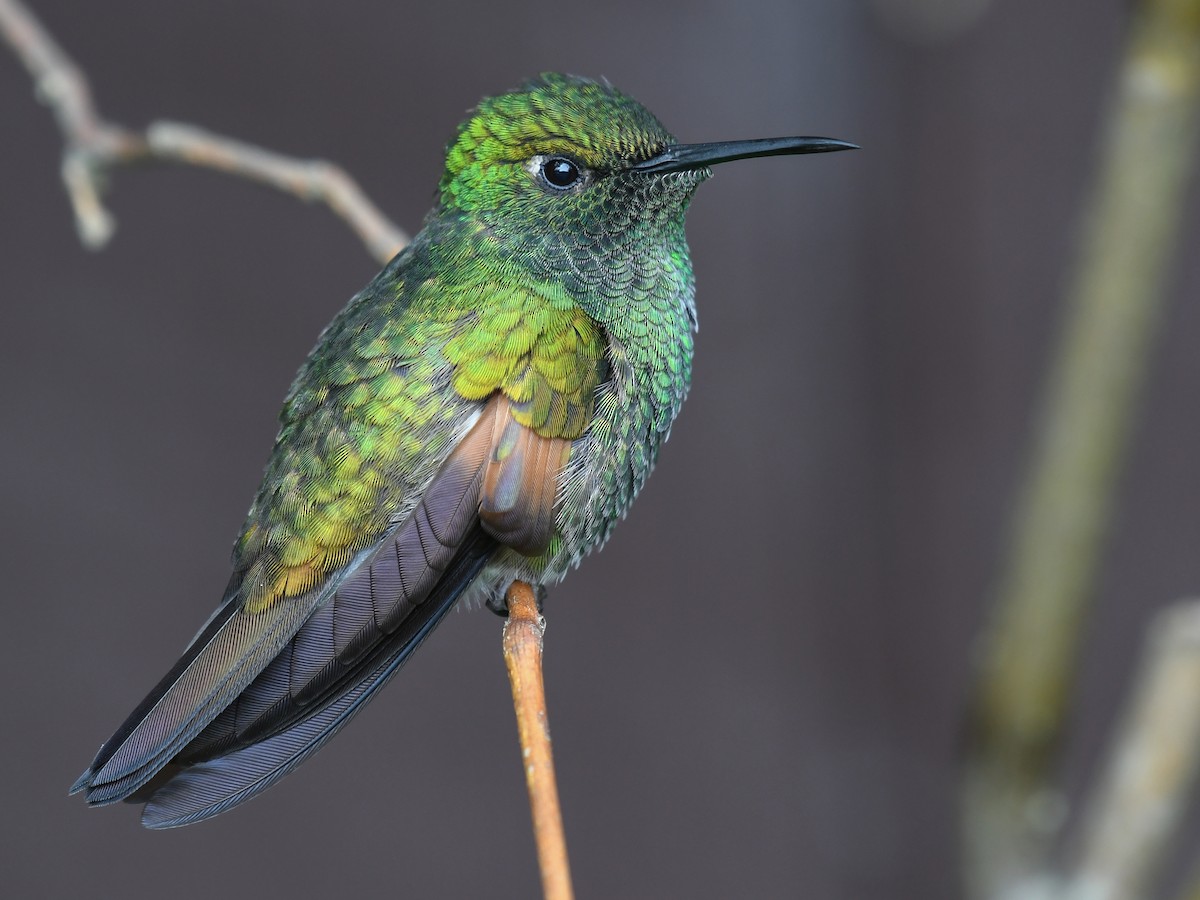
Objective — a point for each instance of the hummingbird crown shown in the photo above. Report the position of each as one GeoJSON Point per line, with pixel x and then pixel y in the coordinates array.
{"type": "Point", "coordinates": [589, 123]}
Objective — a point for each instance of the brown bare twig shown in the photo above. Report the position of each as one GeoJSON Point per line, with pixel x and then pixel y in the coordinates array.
{"type": "Point", "coordinates": [94, 146]}
{"type": "Point", "coordinates": [523, 633]}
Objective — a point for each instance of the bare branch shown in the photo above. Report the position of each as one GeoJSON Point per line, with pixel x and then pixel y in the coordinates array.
{"type": "Point", "coordinates": [307, 179]}
{"type": "Point", "coordinates": [523, 633]}
{"type": "Point", "coordinates": [93, 146]}
{"type": "Point", "coordinates": [1153, 765]}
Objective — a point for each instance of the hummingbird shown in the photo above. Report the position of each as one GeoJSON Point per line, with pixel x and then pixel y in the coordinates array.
{"type": "Point", "coordinates": [485, 410]}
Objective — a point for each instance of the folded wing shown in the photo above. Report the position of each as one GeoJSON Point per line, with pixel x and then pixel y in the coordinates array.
{"type": "Point", "coordinates": [258, 692]}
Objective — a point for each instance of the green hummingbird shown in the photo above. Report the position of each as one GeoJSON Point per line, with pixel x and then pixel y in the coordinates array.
{"type": "Point", "coordinates": [485, 410]}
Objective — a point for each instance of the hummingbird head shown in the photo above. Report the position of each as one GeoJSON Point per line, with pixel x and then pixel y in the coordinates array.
{"type": "Point", "coordinates": [574, 178]}
{"type": "Point", "coordinates": [557, 156]}
{"type": "Point", "coordinates": [569, 153]}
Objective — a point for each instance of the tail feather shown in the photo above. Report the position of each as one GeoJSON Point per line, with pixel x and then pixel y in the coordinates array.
{"type": "Point", "coordinates": [225, 657]}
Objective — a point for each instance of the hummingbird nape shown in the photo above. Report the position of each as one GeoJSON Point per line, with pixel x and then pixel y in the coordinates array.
{"type": "Point", "coordinates": [485, 410]}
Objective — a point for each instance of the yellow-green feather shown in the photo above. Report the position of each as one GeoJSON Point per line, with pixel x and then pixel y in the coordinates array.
{"type": "Point", "coordinates": [534, 345]}
{"type": "Point", "coordinates": [373, 412]}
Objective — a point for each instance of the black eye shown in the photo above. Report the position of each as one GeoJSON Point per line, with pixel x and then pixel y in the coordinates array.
{"type": "Point", "coordinates": [560, 172]}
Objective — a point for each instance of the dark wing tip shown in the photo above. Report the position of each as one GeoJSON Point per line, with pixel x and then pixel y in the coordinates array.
{"type": "Point", "coordinates": [83, 781]}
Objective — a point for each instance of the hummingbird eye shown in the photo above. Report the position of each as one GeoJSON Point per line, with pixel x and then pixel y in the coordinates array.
{"type": "Point", "coordinates": [560, 173]}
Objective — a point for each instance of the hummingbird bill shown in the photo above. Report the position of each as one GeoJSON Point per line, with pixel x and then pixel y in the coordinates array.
{"type": "Point", "coordinates": [485, 410]}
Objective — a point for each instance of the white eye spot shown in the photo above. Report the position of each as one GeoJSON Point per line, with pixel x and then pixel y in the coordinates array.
{"type": "Point", "coordinates": [558, 172]}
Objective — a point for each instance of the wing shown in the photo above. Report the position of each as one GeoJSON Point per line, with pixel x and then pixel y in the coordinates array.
{"type": "Point", "coordinates": [243, 655]}
{"type": "Point", "coordinates": [402, 462]}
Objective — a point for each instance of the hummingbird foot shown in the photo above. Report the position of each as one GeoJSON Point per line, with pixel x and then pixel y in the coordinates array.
{"type": "Point", "coordinates": [497, 602]}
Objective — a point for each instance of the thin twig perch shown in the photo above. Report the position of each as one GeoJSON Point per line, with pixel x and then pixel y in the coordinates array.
{"type": "Point", "coordinates": [523, 633]}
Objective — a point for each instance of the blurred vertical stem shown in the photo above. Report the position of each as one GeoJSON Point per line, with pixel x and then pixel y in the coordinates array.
{"type": "Point", "coordinates": [1135, 812]}
{"type": "Point", "coordinates": [1028, 655]}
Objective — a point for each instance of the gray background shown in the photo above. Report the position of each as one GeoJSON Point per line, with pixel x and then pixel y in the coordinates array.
{"type": "Point", "coordinates": [756, 689]}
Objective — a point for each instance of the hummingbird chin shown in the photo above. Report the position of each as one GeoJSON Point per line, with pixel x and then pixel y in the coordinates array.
{"type": "Point", "coordinates": [485, 410]}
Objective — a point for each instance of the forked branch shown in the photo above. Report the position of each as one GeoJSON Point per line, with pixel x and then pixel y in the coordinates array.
{"type": "Point", "coordinates": [93, 147]}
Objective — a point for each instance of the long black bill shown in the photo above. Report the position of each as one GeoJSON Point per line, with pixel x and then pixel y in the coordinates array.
{"type": "Point", "coordinates": [696, 156]}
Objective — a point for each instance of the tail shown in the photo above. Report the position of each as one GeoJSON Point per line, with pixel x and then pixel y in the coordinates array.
{"type": "Point", "coordinates": [205, 789]}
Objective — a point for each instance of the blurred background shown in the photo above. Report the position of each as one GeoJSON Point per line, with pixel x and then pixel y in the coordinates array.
{"type": "Point", "coordinates": [757, 689]}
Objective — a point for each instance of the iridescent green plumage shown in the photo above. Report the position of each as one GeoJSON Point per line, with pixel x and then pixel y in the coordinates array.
{"type": "Point", "coordinates": [373, 412]}
{"type": "Point", "coordinates": [485, 410]}
{"type": "Point", "coordinates": [508, 289]}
